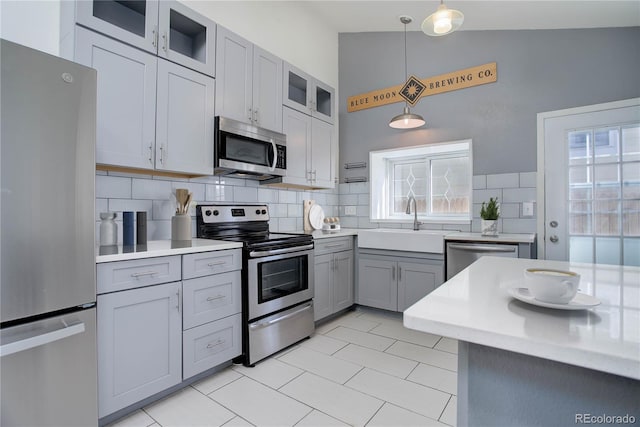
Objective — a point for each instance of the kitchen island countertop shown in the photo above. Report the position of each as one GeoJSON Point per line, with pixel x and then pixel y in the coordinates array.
{"type": "Point", "coordinates": [474, 306]}
{"type": "Point", "coordinates": [157, 248]}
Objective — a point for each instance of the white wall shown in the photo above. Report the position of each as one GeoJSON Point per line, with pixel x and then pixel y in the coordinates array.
{"type": "Point", "coordinates": [31, 23]}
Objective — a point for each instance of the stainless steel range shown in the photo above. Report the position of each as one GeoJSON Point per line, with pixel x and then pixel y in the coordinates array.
{"type": "Point", "coordinates": [277, 277]}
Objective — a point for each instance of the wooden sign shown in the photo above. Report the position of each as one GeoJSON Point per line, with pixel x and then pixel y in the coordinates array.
{"type": "Point", "coordinates": [469, 77]}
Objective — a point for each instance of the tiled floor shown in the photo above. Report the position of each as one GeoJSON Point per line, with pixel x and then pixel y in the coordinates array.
{"type": "Point", "coordinates": [363, 368]}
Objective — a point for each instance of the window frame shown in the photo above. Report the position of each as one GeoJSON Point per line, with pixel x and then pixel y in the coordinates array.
{"type": "Point", "coordinates": [381, 183]}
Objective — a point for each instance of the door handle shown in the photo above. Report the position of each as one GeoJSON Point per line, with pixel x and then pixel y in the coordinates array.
{"type": "Point", "coordinates": [393, 273]}
{"type": "Point", "coordinates": [399, 273]}
{"type": "Point", "coordinates": [553, 224]}
{"type": "Point", "coordinates": [553, 239]}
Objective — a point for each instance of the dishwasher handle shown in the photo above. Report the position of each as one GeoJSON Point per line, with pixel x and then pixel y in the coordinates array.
{"type": "Point", "coordinates": [484, 248]}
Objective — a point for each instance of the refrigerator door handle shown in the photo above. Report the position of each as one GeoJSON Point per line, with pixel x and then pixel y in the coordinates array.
{"type": "Point", "coordinates": [39, 339]}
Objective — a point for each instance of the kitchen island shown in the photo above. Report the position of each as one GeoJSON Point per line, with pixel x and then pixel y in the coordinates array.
{"type": "Point", "coordinates": [520, 364]}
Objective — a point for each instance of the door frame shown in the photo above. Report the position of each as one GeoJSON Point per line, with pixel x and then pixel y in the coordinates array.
{"type": "Point", "coordinates": [540, 178]}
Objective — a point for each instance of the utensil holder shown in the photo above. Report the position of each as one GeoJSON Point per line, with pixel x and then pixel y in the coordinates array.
{"type": "Point", "coordinates": [181, 227]}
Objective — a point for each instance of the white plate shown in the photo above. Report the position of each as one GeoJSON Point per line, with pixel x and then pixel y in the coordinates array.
{"type": "Point", "coordinates": [316, 217]}
{"type": "Point", "coordinates": [579, 302]}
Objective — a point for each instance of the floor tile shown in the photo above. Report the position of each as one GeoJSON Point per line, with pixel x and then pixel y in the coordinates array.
{"type": "Point", "coordinates": [323, 344]}
{"type": "Point", "coordinates": [405, 394]}
{"type": "Point", "coordinates": [318, 419]}
{"type": "Point", "coordinates": [434, 377]}
{"type": "Point", "coordinates": [426, 355]}
{"type": "Point", "coordinates": [216, 381]}
{"type": "Point", "coordinates": [351, 321]}
{"type": "Point", "coordinates": [270, 372]}
{"type": "Point", "coordinates": [347, 405]}
{"type": "Point", "coordinates": [137, 419]}
{"type": "Point", "coordinates": [363, 339]}
{"type": "Point", "coordinates": [259, 404]}
{"type": "Point", "coordinates": [399, 332]}
{"type": "Point", "coordinates": [321, 364]}
{"type": "Point", "coordinates": [449, 415]}
{"type": "Point", "coordinates": [188, 407]}
{"type": "Point", "coordinates": [384, 362]}
{"type": "Point", "coordinates": [238, 422]}
{"type": "Point", "coordinates": [393, 416]}
{"type": "Point", "coordinates": [447, 344]}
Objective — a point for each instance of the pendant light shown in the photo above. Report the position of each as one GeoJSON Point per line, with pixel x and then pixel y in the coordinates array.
{"type": "Point", "coordinates": [443, 21]}
{"type": "Point", "coordinates": [406, 120]}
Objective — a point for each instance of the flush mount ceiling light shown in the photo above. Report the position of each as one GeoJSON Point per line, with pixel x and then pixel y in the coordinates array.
{"type": "Point", "coordinates": [406, 120]}
{"type": "Point", "coordinates": [443, 21]}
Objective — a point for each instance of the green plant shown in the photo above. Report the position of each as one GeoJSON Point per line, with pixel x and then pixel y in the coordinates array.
{"type": "Point", "coordinates": [490, 210]}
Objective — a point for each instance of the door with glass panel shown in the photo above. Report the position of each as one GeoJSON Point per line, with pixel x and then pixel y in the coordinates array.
{"type": "Point", "coordinates": [591, 191]}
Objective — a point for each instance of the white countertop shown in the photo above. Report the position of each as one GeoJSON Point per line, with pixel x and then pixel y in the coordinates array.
{"type": "Point", "coordinates": [156, 248]}
{"type": "Point", "coordinates": [320, 234]}
{"type": "Point", "coordinates": [500, 238]}
{"type": "Point", "coordinates": [474, 306]}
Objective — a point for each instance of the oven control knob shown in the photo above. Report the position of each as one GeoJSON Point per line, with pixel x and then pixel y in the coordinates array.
{"type": "Point", "coordinates": [264, 211]}
{"type": "Point", "coordinates": [257, 211]}
{"type": "Point", "coordinates": [216, 213]}
{"type": "Point", "coordinates": [207, 212]}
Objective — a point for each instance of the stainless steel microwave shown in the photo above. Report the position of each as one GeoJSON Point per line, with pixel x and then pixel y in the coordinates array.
{"type": "Point", "coordinates": [247, 151]}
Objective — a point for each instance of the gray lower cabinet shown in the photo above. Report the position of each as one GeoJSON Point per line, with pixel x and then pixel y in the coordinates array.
{"type": "Point", "coordinates": [333, 281]}
{"type": "Point", "coordinates": [163, 320]}
{"type": "Point", "coordinates": [139, 344]}
{"type": "Point", "coordinates": [395, 283]}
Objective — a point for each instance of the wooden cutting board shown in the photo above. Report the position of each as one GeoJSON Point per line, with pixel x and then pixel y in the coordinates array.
{"type": "Point", "coordinates": [306, 207]}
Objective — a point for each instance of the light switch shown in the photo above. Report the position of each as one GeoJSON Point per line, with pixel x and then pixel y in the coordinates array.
{"type": "Point", "coordinates": [527, 209]}
{"type": "Point", "coordinates": [350, 210]}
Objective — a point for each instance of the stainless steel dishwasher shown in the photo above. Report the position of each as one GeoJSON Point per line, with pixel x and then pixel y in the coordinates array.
{"type": "Point", "coordinates": [460, 255]}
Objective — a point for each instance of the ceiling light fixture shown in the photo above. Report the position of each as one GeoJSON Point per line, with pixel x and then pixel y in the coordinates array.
{"type": "Point", "coordinates": [406, 120]}
{"type": "Point", "coordinates": [443, 21]}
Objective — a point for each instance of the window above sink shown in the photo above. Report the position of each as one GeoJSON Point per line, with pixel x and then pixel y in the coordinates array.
{"type": "Point", "coordinates": [438, 176]}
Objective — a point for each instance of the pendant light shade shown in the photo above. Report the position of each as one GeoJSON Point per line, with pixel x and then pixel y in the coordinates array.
{"type": "Point", "coordinates": [443, 21]}
{"type": "Point", "coordinates": [406, 120]}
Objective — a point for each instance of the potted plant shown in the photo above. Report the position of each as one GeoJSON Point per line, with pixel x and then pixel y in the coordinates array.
{"type": "Point", "coordinates": [489, 212]}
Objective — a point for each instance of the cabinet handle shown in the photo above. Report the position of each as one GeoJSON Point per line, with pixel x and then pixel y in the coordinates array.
{"type": "Point", "coordinates": [143, 273]}
{"type": "Point", "coordinates": [213, 264]}
{"type": "Point", "coordinates": [178, 302]}
{"type": "Point", "coordinates": [315, 175]}
{"type": "Point", "coordinates": [250, 115]}
{"type": "Point", "coordinates": [217, 297]}
{"type": "Point", "coordinates": [164, 41]}
{"type": "Point", "coordinates": [334, 245]}
{"type": "Point", "coordinates": [218, 342]}
{"type": "Point", "coordinates": [393, 273]}
{"type": "Point", "coordinates": [399, 274]}
{"type": "Point", "coordinates": [161, 155]}
{"type": "Point", "coordinates": [154, 37]}
{"type": "Point", "coordinates": [255, 116]}
{"type": "Point", "coordinates": [151, 154]}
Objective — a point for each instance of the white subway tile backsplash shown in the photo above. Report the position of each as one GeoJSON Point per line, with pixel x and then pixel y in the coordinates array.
{"type": "Point", "coordinates": [121, 205]}
{"type": "Point", "coordinates": [197, 189]}
{"type": "Point", "coordinates": [480, 196]}
{"type": "Point", "coordinates": [113, 186]}
{"type": "Point", "coordinates": [267, 195]}
{"type": "Point", "coordinates": [102, 205]}
{"type": "Point", "coordinates": [349, 222]}
{"type": "Point", "coordinates": [150, 189]}
{"type": "Point", "coordinates": [503, 180]}
{"type": "Point", "coordinates": [222, 180]}
{"type": "Point", "coordinates": [528, 179]}
{"type": "Point", "coordinates": [363, 199]}
{"type": "Point", "coordinates": [479, 182]}
{"type": "Point", "coordinates": [287, 196]}
{"type": "Point", "coordinates": [527, 225]}
{"type": "Point", "coordinates": [163, 209]}
{"type": "Point", "coordinates": [245, 194]}
{"type": "Point", "coordinates": [280, 210]}
{"type": "Point", "coordinates": [305, 195]}
{"type": "Point", "coordinates": [510, 210]}
{"type": "Point", "coordinates": [348, 199]}
{"type": "Point", "coordinates": [359, 187]}
{"type": "Point", "coordinates": [219, 193]}
{"type": "Point", "coordinates": [362, 211]}
{"type": "Point", "coordinates": [294, 210]}
{"type": "Point", "coordinates": [518, 195]}
{"type": "Point", "coordinates": [287, 224]}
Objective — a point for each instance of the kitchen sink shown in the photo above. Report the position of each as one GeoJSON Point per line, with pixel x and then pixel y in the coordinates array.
{"type": "Point", "coordinates": [430, 241]}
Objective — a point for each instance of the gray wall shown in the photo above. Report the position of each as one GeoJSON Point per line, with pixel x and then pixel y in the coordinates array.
{"type": "Point", "coordinates": [537, 71]}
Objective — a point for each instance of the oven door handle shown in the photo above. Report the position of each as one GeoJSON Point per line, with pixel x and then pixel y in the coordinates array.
{"type": "Point", "coordinates": [254, 254]}
{"type": "Point", "coordinates": [281, 318]}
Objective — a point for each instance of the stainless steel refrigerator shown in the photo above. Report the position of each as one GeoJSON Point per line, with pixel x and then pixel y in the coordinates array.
{"type": "Point", "coordinates": [48, 372]}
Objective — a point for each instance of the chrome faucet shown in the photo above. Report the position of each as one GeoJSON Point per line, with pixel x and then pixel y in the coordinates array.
{"type": "Point", "coordinates": [416, 224]}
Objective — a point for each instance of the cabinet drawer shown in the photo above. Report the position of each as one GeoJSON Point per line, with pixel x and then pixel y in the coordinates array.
{"type": "Point", "coordinates": [206, 263]}
{"type": "Point", "coordinates": [210, 298]}
{"type": "Point", "coordinates": [118, 276]}
{"type": "Point", "coordinates": [337, 244]}
{"type": "Point", "coordinates": [209, 345]}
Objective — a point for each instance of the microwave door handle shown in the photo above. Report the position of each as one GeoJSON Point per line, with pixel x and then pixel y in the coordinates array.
{"type": "Point", "coordinates": [275, 156]}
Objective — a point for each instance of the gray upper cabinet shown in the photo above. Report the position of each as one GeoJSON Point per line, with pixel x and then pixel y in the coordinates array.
{"type": "Point", "coordinates": [184, 120]}
{"type": "Point", "coordinates": [168, 29]}
{"type": "Point", "coordinates": [126, 99]}
{"type": "Point", "coordinates": [307, 94]}
{"type": "Point", "coordinates": [151, 113]}
{"type": "Point", "coordinates": [249, 82]}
